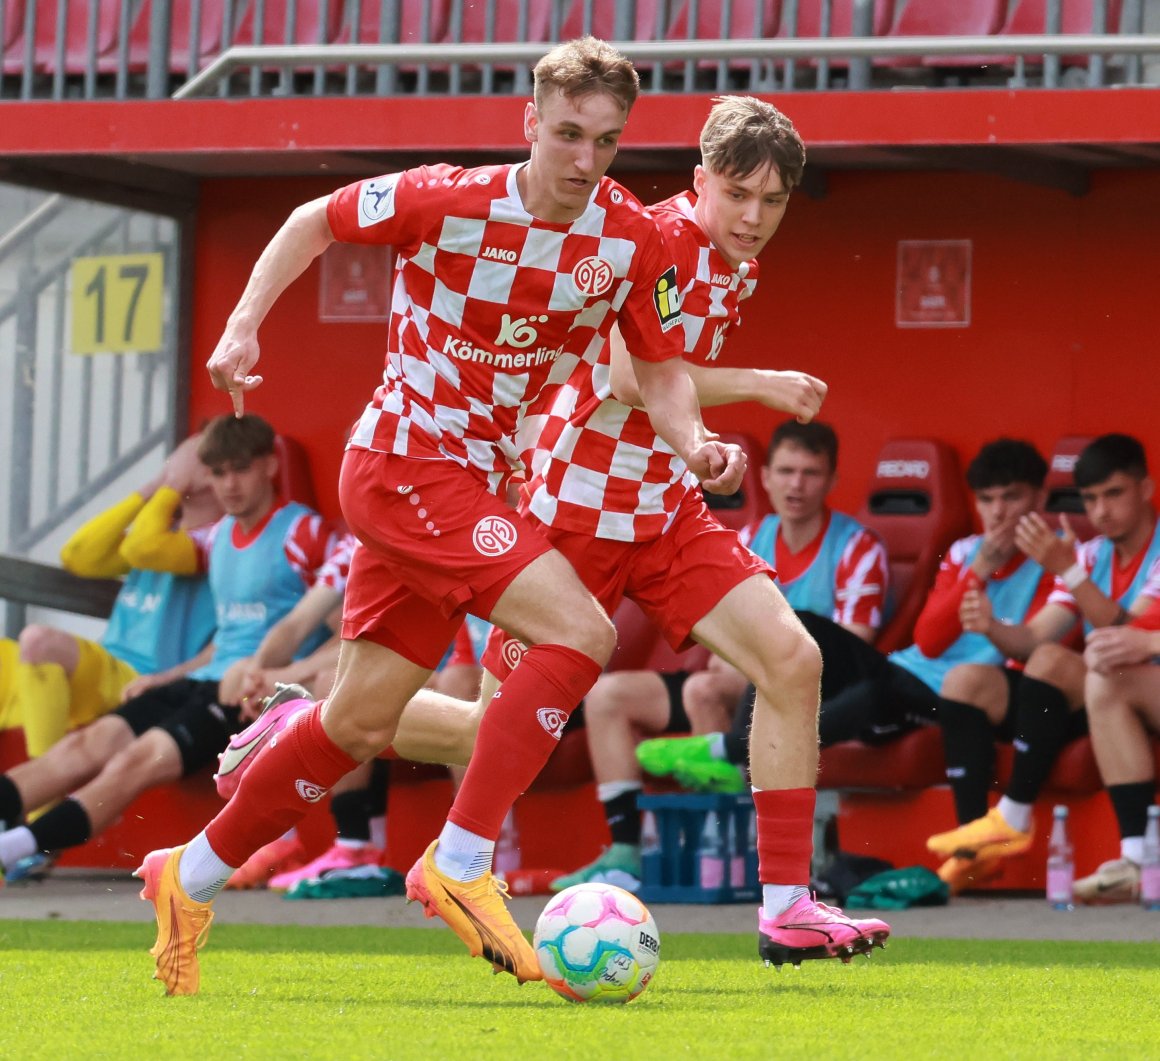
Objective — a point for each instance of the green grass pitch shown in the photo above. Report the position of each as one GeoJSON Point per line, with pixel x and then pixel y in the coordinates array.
{"type": "Point", "coordinates": [83, 989]}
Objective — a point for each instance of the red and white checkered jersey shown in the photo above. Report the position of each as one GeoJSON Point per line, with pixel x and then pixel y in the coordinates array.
{"type": "Point", "coordinates": [491, 304]}
{"type": "Point", "coordinates": [601, 469]}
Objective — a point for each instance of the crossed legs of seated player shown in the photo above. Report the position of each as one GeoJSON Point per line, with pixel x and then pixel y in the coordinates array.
{"type": "Point", "coordinates": [1046, 712]}
{"type": "Point", "coordinates": [545, 605]}
{"type": "Point", "coordinates": [1123, 709]}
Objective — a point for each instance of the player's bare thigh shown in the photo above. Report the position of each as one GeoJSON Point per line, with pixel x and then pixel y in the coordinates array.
{"type": "Point", "coordinates": [981, 685]}
{"type": "Point", "coordinates": [1136, 687]}
{"type": "Point", "coordinates": [754, 628]}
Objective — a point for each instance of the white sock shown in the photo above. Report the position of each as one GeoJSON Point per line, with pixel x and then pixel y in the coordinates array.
{"type": "Point", "coordinates": [462, 855]}
{"type": "Point", "coordinates": [16, 844]}
{"type": "Point", "coordinates": [379, 831]}
{"type": "Point", "coordinates": [201, 872]}
{"type": "Point", "coordinates": [1131, 848]}
{"type": "Point", "coordinates": [353, 845]}
{"type": "Point", "coordinates": [607, 790]}
{"type": "Point", "coordinates": [1016, 815]}
{"type": "Point", "coordinates": [717, 746]}
{"type": "Point", "coordinates": [777, 898]}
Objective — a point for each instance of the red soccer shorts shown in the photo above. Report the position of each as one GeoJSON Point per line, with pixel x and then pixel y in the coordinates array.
{"type": "Point", "coordinates": [677, 578]}
{"type": "Point", "coordinates": [435, 544]}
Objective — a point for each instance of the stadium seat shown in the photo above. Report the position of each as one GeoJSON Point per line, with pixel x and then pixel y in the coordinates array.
{"type": "Point", "coordinates": [746, 19]}
{"type": "Point", "coordinates": [750, 502]}
{"type": "Point", "coordinates": [1062, 494]}
{"type": "Point", "coordinates": [48, 47]}
{"type": "Point", "coordinates": [275, 29]}
{"type": "Point", "coordinates": [910, 762]}
{"type": "Point", "coordinates": [13, 26]}
{"type": "Point", "coordinates": [1029, 17]}
{"type": "Point", "coordinates": [598, 18]}
{"type": "Point", "coordinates": [809, 19]}
{"type": "Point", "coordinates": [411, 27]}
{"type": "Point", "coordinates": [936, 18]}
{"type": "Point", "coordinates": [294, 481]}
{"type": "Point", "coordinates": [211, 37]}
{"type": "Point", "coordinates": [917, 504]}
{"type": "Point", "coordinates": [640, 646]}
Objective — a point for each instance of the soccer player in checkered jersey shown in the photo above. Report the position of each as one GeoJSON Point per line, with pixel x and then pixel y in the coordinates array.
{"type": "Point", "coordinates": [505, 275]}
{"type": "Point", "coordinates": [616, 500]}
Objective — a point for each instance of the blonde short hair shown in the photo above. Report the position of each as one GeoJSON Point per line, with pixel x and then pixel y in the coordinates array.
{"type": "Point", "coordinates": [583, 66]}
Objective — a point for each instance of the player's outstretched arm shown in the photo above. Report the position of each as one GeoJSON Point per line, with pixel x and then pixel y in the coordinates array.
{"type": "Point", "coordinates": [670, 399]}
{"type": "Point", "coordinates": [303, 237]}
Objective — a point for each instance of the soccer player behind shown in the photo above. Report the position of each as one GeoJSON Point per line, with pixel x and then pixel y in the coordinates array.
{"type": "Point", "coordinates": [507, 277]}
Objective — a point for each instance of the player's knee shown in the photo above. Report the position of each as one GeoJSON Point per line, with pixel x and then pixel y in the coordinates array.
{"type": "Point", "coordinates": [965, 684]}
{"type": "Point", "coordinates": [1101, 696]}
{"type": "Point", "coordinates": [605, 699]}
{"type": "Point", "coordinates": [1049, 661]}
{"type": "Point", "coordinates": [594, 635]}
{"type": "Point", "coordinates": [42, 644]}
{"type": "Point", "coordinates": [101, 740]}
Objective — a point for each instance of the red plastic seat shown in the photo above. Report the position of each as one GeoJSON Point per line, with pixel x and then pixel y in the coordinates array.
{"type": "Point", "coordinates": [640, 646]}
{"type": "Point", "coordinates": [294, 481]}
{"type": "Point", "coordinates": [750, 502]}
{"type": "Point", "coordinates": [473, 29]}
{"type": "Point", "coordinates": [210, 38]}
{"type": "Point", "coordinates": [601, 15]}
{"type": "Point", "coordinates": [308, 28]}
{"type": "Point", "coordinates": [1029, 17]}
{"type": "Point", "coordinates": [912, 761]}
{"type": "Point", "coordinates": [747, 19]}
{"type": "Point", "coordinates": [1062, 493]}
{"type": "Point", "coordinates": [917, 504]}
{"type": "Point", "coordinates": [809, 24]}
{"type": "Point", "coordinates": [411, 27]}
{"type": "Point", "coordinates": [45, 40]}
{"type": "Point", "coordinates": [937, 18]}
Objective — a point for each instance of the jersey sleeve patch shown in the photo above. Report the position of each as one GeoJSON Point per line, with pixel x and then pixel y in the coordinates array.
{"type": "Point", "coordinates": [667, 299]}
{"type": "Point", "coordinates": [376, 200]}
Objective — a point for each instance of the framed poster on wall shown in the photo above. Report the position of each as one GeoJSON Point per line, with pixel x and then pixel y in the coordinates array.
{"type": "Point", "coordinates": [355, 283]}
{"type": "Point", "coordinates": [933, 284]}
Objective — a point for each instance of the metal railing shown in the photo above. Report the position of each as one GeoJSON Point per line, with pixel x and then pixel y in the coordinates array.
{"type": "Point", "coordinates": [90, 49]}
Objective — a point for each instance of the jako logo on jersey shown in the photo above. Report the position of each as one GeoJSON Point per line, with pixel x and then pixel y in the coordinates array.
{"type": "Point", "coordinates": [667, 299]}
{"type": "Point", "coordinates": [512, 652]}
{"type": "Point", "coordinates": [721, 279]}
{"type": "Point", "coordinates": [518, 331]}
{"type": "Point", "coordinates": [903, 469]}
{"type": "Point", "coordinates": [553, 720]}
{"type": "Point", "coordinates": [593, 276]}
{"type": "Point", "coordinates": [309, 791]}
{"type": "Point", "coordinates": [376, 200]}
{"type": "Point", "coordinates": [465, 351]}
{"type": "Point", "coordinates": [499, 254]}
{"type": "Point", "coordinates": [493, 536]}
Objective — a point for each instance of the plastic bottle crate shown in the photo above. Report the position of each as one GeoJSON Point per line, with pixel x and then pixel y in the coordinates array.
{"type": "Point", "coordinates": [672, 873]}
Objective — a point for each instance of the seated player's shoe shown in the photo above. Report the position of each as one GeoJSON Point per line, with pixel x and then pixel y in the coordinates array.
{"type": "Point", "coordinates": [962, 874]}
{"type": "Point", "coordinates": [477, 913]}
{"type": "Point", "coordinates": [991, 832]}
{"type": "Point", "coordinates": [278, 856]}
{"type": "Point", "coordinates": [618, 864]}
{"type": "Point", "coordinates": [663, 755]}
{"type": "Point", "coordinates": [277, 713]}
{"type": "Point", "coordinates": [37, 866]}
{"type": "Point", "coordinates": [353, 882]}
{"type": "Point", "coordinates": [339, 856]}
{"type": "Point", "coordinates": [811, 930]}
{"type": "Point", "coordinates": [1117, 881]}
{"type": "Point", "coordinates": [182, 923]}
{"type": "Point", "coordinates": [716, 776]}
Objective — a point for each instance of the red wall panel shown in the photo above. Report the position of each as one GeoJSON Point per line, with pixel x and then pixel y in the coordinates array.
{"type": "Point", "coordinates": [1060, 339]}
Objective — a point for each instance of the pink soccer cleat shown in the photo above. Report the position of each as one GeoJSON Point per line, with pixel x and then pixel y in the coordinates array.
{"type": "Point", "coordinates": [279, 856]}
{"type": "Point", "coordinates": [338, 857]}
{"type": "Point", "coordinates": [277, 713]}
{"type": "Point", "coordinates": [810, 930]}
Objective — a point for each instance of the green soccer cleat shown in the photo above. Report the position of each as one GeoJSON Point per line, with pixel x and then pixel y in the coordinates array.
{"type": "Point", "coordinates": [618, 865]}
{"type": "Point", "coordinates": [714, 776]}
{"type": "Point", "coordinates": [663, 755]}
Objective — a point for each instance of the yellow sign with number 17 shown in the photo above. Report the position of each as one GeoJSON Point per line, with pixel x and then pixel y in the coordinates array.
{"type": "Point", "coordinates": [117, 304]}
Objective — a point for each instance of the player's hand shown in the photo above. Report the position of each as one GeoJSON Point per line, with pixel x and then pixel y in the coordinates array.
{"type": "Point", "coordinates": [1035, 538]}
{"type": "Point", "coordinates": [143, 684]}
{"type": "Point", "coordinates": [975, 612]}
{"type": "Point", "coordinates": [997, 547]}
{"type": "Point", "coordinates": [1109, 648]}
{"type": "Point", "coordinates": [229, 366]}
{"type": "Point", "coordinates": [232, 686]}
{"type": "Point", "coordinates": [719, 466]}
{"type": "Point", "coordinates": [796, 393]}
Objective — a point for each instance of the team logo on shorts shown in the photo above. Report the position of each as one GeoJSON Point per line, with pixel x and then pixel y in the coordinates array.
{"type": "Point", "coordinates": [493, 536]}
{"type": "Point", "coordinates": [553, 721]}
{"type": "Point", "coordinates": [376, 200]}
{"type": "Point", "coordinates": [667, 299]}
{"type": "Point", "coordinates": [593, 276]}
{"type": "Point", "coordinates": [309, 791]}
{"type": "Point", "coordinates": [512, 651]}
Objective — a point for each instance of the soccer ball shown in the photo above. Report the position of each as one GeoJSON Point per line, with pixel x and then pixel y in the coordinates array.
{"type": "Point", "coordinates": [597, 943]}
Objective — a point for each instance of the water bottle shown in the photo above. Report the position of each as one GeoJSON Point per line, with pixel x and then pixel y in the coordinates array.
{"type": "Point", "coordinates": [711, 853]}
{"type": "Point", "coordinates": [1150, 866]}
{"type": "Point", "coordinates": [1060, 863]}
{"type": "Point", "coordinates": [650, 850]}
{"type": "Point", "coordinates": [507, 848]}
{"type": "Point", "coordinates": [737, 853]}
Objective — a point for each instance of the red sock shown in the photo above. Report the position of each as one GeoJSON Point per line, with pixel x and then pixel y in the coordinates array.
{"type": "Point", "coordinates": [520, 729]}
{"type": "Point", "coordinates": [283, 784]}
{"type": "Point", "coordinates": [785, 834]}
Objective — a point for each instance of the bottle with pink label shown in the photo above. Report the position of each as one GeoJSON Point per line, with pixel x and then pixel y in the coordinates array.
{"type": "Point", "coordinates": [1060, 863]}
{"type": "Point", "coordinates": [1150, 866]}
{"type": "Point", "coordinates": [711, 853]}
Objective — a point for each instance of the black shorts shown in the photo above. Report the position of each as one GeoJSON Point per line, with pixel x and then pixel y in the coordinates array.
{"type": "Point", "coordinates": [189, 712]}
{"type": "Point", "coordinates": [674, 686]}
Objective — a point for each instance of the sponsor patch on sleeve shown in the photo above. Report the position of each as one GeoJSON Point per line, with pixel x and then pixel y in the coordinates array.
{"type": "Point", "coordinates": [376, 200]}
{"type": "Point", "coordinates": [667, 299]}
